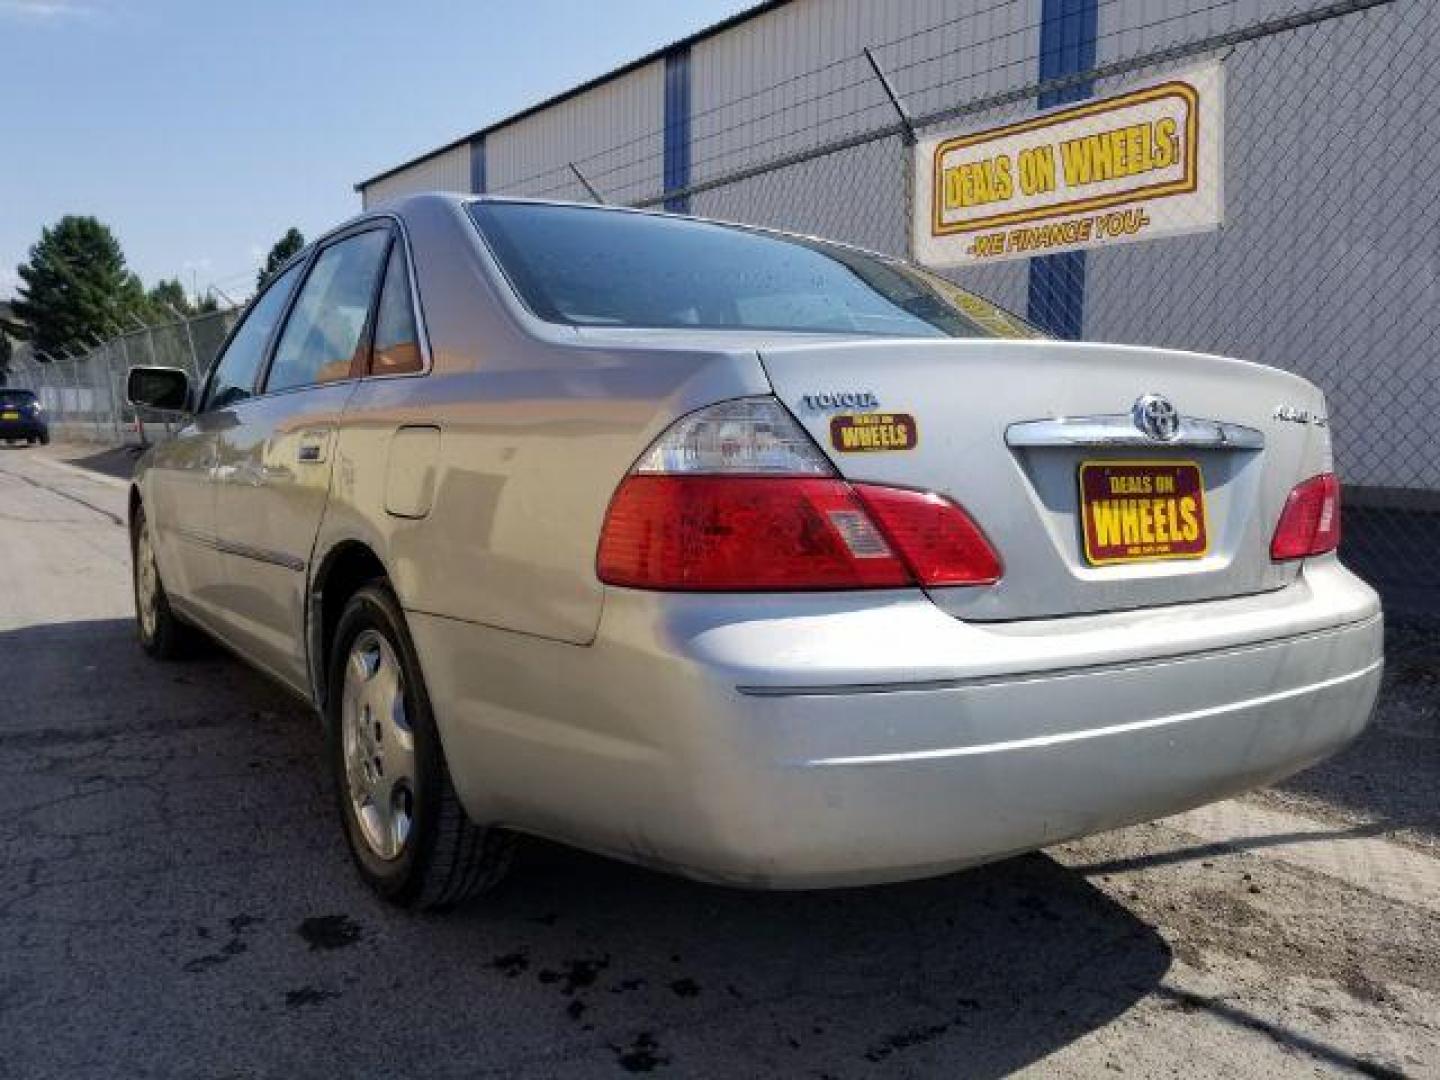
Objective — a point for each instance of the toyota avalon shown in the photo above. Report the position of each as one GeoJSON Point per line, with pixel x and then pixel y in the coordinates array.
{"type": "Point", "coordinates": [746, 555]}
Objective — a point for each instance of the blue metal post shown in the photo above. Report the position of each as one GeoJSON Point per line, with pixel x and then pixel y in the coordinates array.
{"type": "Point", "coordinates": [677, 129]}
{"type": "Point", "coordinates": [1067, 47]}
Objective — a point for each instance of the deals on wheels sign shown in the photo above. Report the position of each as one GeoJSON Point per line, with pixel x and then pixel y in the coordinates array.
{"type": "Point", "coordinates": [1134, 166]}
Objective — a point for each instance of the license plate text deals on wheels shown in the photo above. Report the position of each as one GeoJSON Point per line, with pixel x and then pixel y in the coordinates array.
{"type": "Point", "coordinates": [1136, 511]}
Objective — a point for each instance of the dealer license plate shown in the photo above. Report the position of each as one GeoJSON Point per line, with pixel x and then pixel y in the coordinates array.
{"type": "Point", "coordinates": [1142, 511]}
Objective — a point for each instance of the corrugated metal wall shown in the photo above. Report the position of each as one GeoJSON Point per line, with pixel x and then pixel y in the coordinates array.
{"type": "Point", "coordinates": [447, 171]}
{"type": "Point", "coordinates": [1132, 27]}
{"type": "Point", "coordinates": [615, 129]}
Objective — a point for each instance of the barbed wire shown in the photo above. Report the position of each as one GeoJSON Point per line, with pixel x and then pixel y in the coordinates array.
{"type": "Point", "coordinates": [1026, 31]}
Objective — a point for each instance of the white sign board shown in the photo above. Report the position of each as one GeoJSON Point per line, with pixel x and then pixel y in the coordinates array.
{"type": "Point", "coordinates": [1134, 166]}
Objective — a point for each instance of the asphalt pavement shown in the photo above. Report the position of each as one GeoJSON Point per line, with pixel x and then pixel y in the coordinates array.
{"type": "Point", "coordinates": [176, 900]}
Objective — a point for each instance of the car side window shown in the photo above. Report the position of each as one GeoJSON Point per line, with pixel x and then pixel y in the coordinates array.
{"type": "Point", "coordinates": [397, 341]}
{"type": "Point", "coordinates": [238, 366]}
{"type": "Point", "coordinates": [326, 326]}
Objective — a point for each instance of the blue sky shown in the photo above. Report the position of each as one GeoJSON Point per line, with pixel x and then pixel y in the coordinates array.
{"type": "Point", "coordinates": [200, 130]}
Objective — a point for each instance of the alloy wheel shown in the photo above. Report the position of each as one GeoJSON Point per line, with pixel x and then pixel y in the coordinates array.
{"type": "Point", "coordinates": [147, 583]}
{"type": "Point", "coordinates": [378, 745]}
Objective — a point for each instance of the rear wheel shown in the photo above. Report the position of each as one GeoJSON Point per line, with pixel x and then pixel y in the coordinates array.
{"type": "Point", "coordinates": [407, 832]}
{"type": "Point", "coordinates": [162, 635]}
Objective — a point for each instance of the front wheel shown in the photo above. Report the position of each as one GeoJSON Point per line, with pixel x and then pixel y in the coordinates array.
{"type": "Point", "coordinates": [162, 635]}
{"type": "Point", "coordinates": [407, 832]}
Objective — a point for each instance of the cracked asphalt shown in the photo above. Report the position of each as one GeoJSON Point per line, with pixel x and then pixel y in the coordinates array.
{"type": "Point", "coordinates": [175, 900]}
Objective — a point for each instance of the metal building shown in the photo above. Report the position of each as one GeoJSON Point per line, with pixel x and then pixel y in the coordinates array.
{"type": "Point", "coordinates": [1326, 262]}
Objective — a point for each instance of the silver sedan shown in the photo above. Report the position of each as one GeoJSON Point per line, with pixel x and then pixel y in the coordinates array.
{"type": "Point", "coordinates": [746, 555]}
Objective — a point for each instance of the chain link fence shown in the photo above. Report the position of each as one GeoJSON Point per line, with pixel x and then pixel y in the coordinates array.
{"type": "Point", "coordinates": [1326, 264]}
{"type": "Point", "coordinates": [84, 394]}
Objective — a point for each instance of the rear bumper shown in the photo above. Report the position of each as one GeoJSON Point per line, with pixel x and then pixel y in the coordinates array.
{"type": "Point", "coordinates": [22, 429]}
{"type": "Point", "coordinates": [839, 740]}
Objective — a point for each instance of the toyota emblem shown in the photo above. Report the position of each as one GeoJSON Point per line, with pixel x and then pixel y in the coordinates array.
{"type": "Point", "coordinates": [1156, 417]}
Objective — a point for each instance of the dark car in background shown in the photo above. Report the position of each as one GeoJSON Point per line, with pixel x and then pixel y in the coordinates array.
{"type": "Point", "coordinates": [22, 417]}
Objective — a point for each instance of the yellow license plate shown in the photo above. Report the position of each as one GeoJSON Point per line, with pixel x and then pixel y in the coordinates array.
{"type": "Point", "coordinates": [1141, 511]}
{"type": "Point", "coordinates": [9, 416]}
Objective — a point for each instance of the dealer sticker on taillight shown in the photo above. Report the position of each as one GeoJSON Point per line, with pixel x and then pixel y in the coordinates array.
{"type": "Point", "coordinates": [1140, 511]}
{"type": "Point", "coordinates": [852, 433]}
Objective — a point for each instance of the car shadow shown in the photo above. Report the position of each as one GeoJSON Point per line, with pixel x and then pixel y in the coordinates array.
{"type": "Point", "coordinates": [118, 462]}
{"type": "Point", "coordinates": [178, 819]}
{"type": "Point", "coordinates": [995, 968]}
{"type": "Point", "coordinates": [1387, 776]}
{"type": "Point", "coordinates": [1218, 848]}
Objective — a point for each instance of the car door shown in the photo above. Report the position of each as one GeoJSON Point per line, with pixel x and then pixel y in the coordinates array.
{"type": "Point", "coordinates": [180, 497]}
{"type": "Point", "coordinates": [273, 464]}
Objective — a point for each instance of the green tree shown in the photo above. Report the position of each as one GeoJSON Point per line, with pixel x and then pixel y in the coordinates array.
{"type": "Point", "coordinates": [287, 245]}
{"type": "Point", "coordinates": [10, 332]}
{"type": "Point", "coordinates": [168, 298]}
{"type": "Point", "coordinates": [75, 285]}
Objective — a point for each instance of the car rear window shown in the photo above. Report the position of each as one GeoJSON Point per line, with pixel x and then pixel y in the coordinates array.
{"type": "Point", "coordinates": [13, 398]}
{"type": "Point", "coordinates": [585, 266]}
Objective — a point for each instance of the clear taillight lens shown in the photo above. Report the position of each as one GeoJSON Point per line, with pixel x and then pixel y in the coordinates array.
{"type": "Point", "coordinates": [749, 435]}
{"type": "Point", "coordinates": [737, 498]}
{"type": "Point", "coordinates": [1310, 522]}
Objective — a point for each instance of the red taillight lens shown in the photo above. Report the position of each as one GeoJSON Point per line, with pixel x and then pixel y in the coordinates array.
{"type": "Point", "coordinates": [936, 538]}
{"type": "Point", "coordinates": [736, 533]}
{"type": "Point", "coordinates": [1310, 522]}
{"type": "Point", "coordinates": [748, 533]}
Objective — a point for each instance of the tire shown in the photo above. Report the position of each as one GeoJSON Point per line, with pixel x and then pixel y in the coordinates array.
{"type": "Point", "coordinates": [45, 438]}
{"type": "Point", "coordinates": [30, 441]}
{"type": "Point", "coordinates": [410, 838]}
{"type": "Point", "coordinates": [162, 634]}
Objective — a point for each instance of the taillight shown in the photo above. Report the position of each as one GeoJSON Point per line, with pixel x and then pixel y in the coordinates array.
{"type": "Point", "coordinates": [737, 498]}
{"type": "Point", "coordinates": [1310, 522]}
{"type": "Point", "coordinates": [743, 532]}
{"type": "Point", "coordinates": [933, 535]}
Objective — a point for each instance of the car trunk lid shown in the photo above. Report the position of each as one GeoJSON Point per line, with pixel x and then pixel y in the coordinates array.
{"type": "Point", "coordinates": [1035, 438]}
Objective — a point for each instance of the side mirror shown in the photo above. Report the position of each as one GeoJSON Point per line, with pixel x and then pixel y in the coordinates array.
{"type": "Point", "coordinates": [161, 388]}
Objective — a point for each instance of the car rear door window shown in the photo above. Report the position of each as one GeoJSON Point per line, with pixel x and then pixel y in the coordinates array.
{"type": "Point", "coordinates": [239, 365]}
{"type": "Point", "coordinates": [397, 341]}
{"type": "Point", "coordinates": [326, 327]}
